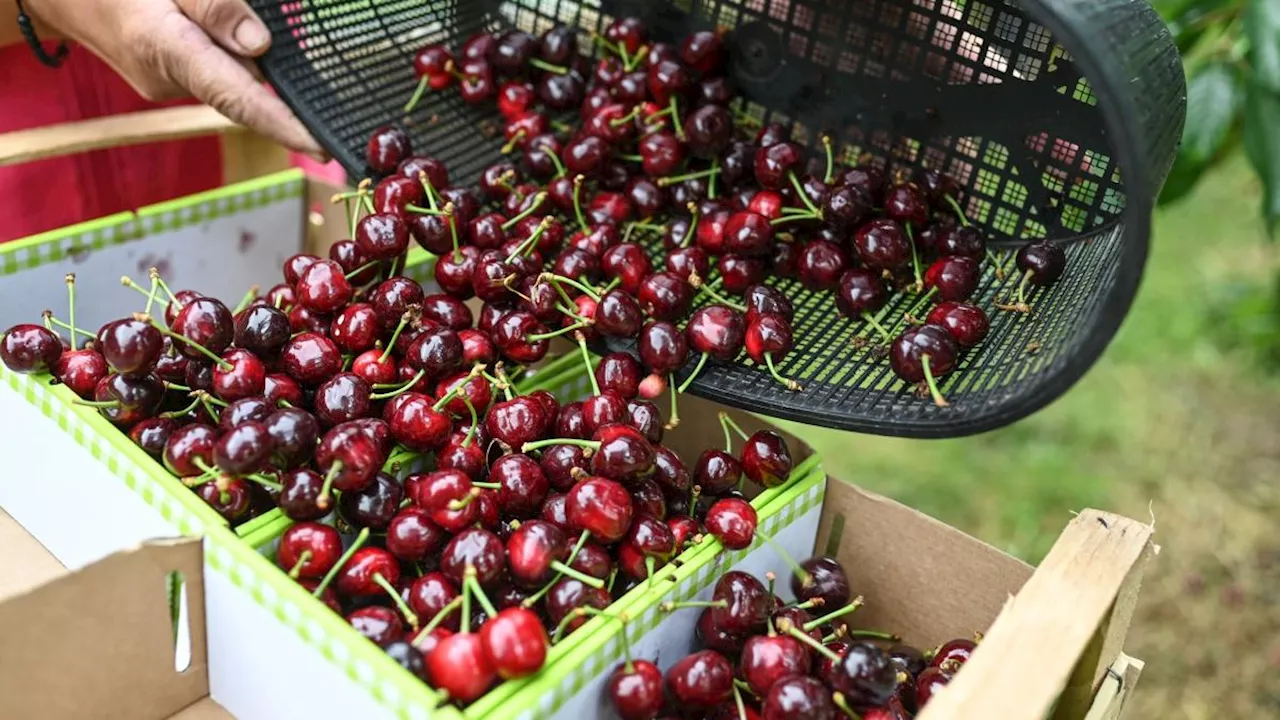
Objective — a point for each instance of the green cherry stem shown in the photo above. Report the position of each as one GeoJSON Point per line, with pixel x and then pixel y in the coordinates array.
{"type": "Point", "coordinates": [728, 437]}
{"type": "Point", "coordinates": [360, 540]}
{"type": "Point", "coordinates": [524, 247]}
{"type": "Point", "coordinates": [586, 360]}
{"type": "Point", "coordinates": [406, 318]}
{"type": "Point", "coordinates": [466, 603]}
{"type": "Point", "coordinates": [787, 627]}
{"type": "Point", "coordinates": [538, 199]}
{"type": "Point", "coordinates": [469, 578]}
{"type": "Point", "coordinates": [711, 183]}
{"type": "Point", "coordinates": [585, 289]}
{"type": "Point", "coordinates": [249, 296]}
{"type": "Point", "coordinates": [440, 617]}
{"type": "Point", "coordinates": [915, 257]}
{"type": "Point", "coordinates": [938, 399]}
{"type": "Point", "coordinates": [195, 402]}
{"type": "Point", "coordinates": [142, 317]}
{"type": "Point", "coordinates": [702, 361]}
{"type": "Point", "coordinates": [577, 203]}
{"type": "Point", "coordinates": [323, 500]}
{"type": "Point", "coordinates": [401, 389]}
{"type": "Point", "coordinates": [800, 193]}
{"type": "Point", "coordinates": [834, 614]}
{"type": "Point", "coordinates": [787, 382]}
{"type": "Point", "coordinates": [471, 431]}
{"type": "Point", "coordinates": [728, 422]}
{"type": "Point", "coordinates": [50, 319]}
{"type": "Point", "coordinates": [831, 161]}
{"type": "Point", "coordinates": [71, 306]}
{"type": "Point", "coordinates": [673, 179]}
{"type": "Point", "coordinates": [675, 121]}
{"type": "Point", "coordinates": [672, 606]}
{"type": "Point", "coordinates": [737, 701]}
{"type": "Point", "coordinates": [405, 610]}
{"type": "Point", "coordinates": [297, 567]}
{"type": "Point", "coordinates": [838, 699]}
{"type": "Point", "coordinates": [715, 295]}
{"type": "Point", "coordinates": [154, 274]}
{"type": "Point", "coordinates": [578, 575]}
{"type": "Point", "coordinates": [675, 407]}
{"type": "Point", "coordinates": [875, 324]}
{"type": "Point", "coordinates": [548, 67]}
{"type": "Point", "coordinates": [557, 333]}
{"type": "Point", "coordinates": [960, 214]}
{"type": "Point", "coordinates": [548, 442]}
{"type": "Point", "coordinates": [445, 399]}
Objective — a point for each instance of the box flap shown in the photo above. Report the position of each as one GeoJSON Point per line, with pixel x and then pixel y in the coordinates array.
{"type": "Point", "coordinates": [24, 563]}
{"type": "Point", "coordinates": [100, 642]}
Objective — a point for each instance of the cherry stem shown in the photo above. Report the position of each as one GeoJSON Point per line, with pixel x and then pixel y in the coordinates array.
{"type": "Point", "coordinates": [264, 481]}
{"type": "Point", "coordinates": [405, 610]}
{"type": "Point", "coordinates": [533, 207]}
{"type": "Point", "coordinates": [557, 333]}
{"type": "Point", "coordinates": [476, 370]}
{"type": "Point", "coordinates": [362, 268]}
{"type": "Point", "coordinates": [837, 613]}
{"type": "Point", "coordinates": [729, 421]}
{"type": "Point", "coordinates": [323, 501]}
{"type": "Point", "coordinates": [675, 409]}
{"type": "Point", "coordinates": [693, 375]}
{"type": "Point", "coordinates": [960, 215]}
{"type": "Point", "coordinates": [100, 404]}
{"type": "Point", "coordinates": [673, 179]}
{"type": "Point", "coordinates": [831, 161]}
{"type": "Point", "coordinates": [453, 233]}
{"type": "Point", "coordinates": [787, 382]}
{"type": "Point", "coordinates": [728, 437]}
{"type": "Point", "coordinates": [672, 606]}
{"type": "Point", "coordinates": [786, 556]}
{"type": "Point", "coordinates": [915, 257]}
{"type": "Point", "coordinates": [154, 274]}
{"type": "Point", "coordinates": [694, 492]}
{"type": "Point", "coordinates": [71, 306]}
{"type": "Point", "coordinates": [875, 324]}
{"type": "Point", "coordinates": [471, 431]}
{"type": "Point", "coordinates": [693, 222]}
{"type": "Point", "coordinates": [466, 603]}
{"type": "Point", "coordinates": [539, 444]}
{"type": "Point", "coordinates": [620, 121]}
{"type": "Point", "coordinates": [578, 575]}
{"type": "Point", "coordinates": [417, 95]}
{"type": "Point", "coordinates": [630, 157]}
{"type": "Point", "coordinates": [528, 244]}
{"type": "Point", "coordinates": [737, 700]}
{"type": "Point", "coordinates": [487, 485]}
{"type": "Point", "coordinates": [401, 389]}
{"type": "Point", "coordinates": [65, 326]}
{"type": "Point", "coordinates": [599, 40]}
{"type": "Point", "coordinates": [1022, 287]}
{"type": "Point", "coordinates": [675, 121]}
{"type": "Point", "coordinates": [711, 183]}
{"type": "Point", "coordinates": [470, 579]}
{"type": "Point", "coordinates": [788, 627]}
{"type": "Point", "coordinates": [792, 217]}
{"type": "Point", "coordinates": [800, 193]}
{"type": "Point", "coordinates": [457, 504]}
{"type": "Point", "coordinates": [715, 295]}
{"type": "Point", "coordinates": [577, 203]}
{"type": "Point", "coordinates": [585, 289]}
{"type": "Point", "coordinates": [873, 634]}
{"type": "Point", "coordinates": [195, 401]}
{"type": "Point", "coordinates": [548, 67]}
{"type": "Point", "coordinates": [142, 317]}
{"type": "Point", "coordinates": [440, 617]}
{"type": "Point", "coordinates": [337, 567]}
{"type": "Point", "coordinates": [149, 294]}
{"type": "Point", "coordinates": [586, 360]}
{"type": "Point", "coordinates": [510, 144]}
{"type": "Point", "coordinates": [938, 399]}
{"type": "Point", "coordinates": [840, 702]}
{"type": "Point", "coordinates": [534, 598]}
{"type": "Point", "coordinates": [297, 566]}
{"type": "Point", "coordinates": [635, 61]}
{"type": "Point", "coordinates": [249, 296]}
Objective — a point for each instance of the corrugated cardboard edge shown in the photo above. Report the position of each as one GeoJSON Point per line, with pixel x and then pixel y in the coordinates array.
{"type": "Point", "coordinates": [99, 642]}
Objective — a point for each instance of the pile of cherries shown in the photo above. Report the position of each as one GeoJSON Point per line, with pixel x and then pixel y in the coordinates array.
{"type": "Point", "coordinates": [644, 137]}
{"type": "Point", "coordinates": [766, 658]}
{"type": "Point", "coordinates": [513, 510]}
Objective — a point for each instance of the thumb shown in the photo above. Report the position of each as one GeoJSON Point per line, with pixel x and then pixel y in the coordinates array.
{"type": "Point", "coordinates": [231, 23]}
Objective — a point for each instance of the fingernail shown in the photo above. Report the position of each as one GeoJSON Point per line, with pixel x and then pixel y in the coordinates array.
{"type": "Point", "coordinates": [251, 36]}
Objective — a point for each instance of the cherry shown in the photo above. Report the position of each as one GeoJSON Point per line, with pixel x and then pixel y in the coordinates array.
{"type": "Point", "coordinates": [798, 697]}
{"type": "Point", "coordinates": [563, 465]}
{"type": "Point", "coordinates": [601, 507]}
{"type": "Point", "coordinates": [541, 154]}
{"type": "Point", "coordinates": [553, 512]}
{"type": "Point", "coordinates": [454, 269]}
{"type": "Point", "coordinates": [388, 145]}
{"type": "Point", "coordinates": [766, 459]}
{"type": "Point", "coordinates": [743, 603]}
{"type": "Point", "coordinates": [953, 651]}
{"type": "Point", "coordinates": [311, 358]}
{"type": "Point", "coordinates": [646, 196]}
{"type": "Point", "coordinates": [428, 595]}
{"type": "Point", "coordinates": [189, 447]}
{"type": "Point", "coordinates": [860, 292]}
{"type": "Point", "coordinates": [708, 130]}
{"type": "Point", "coordinates": [170, 366]}
{"type": "Point", "coordinates": [740, 273]}
{"type": "Point", "coordinates": [293, 268]}
{"type": "Point", "coordinates": [908, 205]}
{"type": "Point", "coordinates": [374, 506]}
{"type": "Point", "coordinates": [717, 331]}
{"type": "Point", "coordinates": [629, 33]}
{"type": "Point", "coordinates": [621, 453]}
{"type": "Point", "coordinates": [477, 347]}
{"type": "Point", "coordinates": [381, 236]}
{"type": "Point", "coordinates": [964, 241]}
{"type": "Point", "coordinates": [618, 315]}
{"type": "Point", "coordinates": [570, 594]}
{"type": "Point", "coordinates": [922, 354]}
{"type": "Point", "coordinates": [407, 657]}
{"type": "Point", "coordinates": [262, 330]}
{"type": "Point", "coordinates": [715, 91]}
{"type": "Point", "coordinates": [301, 319]}
{"type": "Point", "coordinates": [515, 641]}
{"type": "Point", "coordinates": [460, 667]}
{"type": "Point", "coordinates": [627, 262]}
{"type": "Point", "coordinates": [394, 193]}
{"type": "Point", "coordinates": [716, 472]}
{"type": "Point", "coordinates": [300, 493]}
{"type": "Point", "coordinates": [661, 153]}
{"type": "Point", "coordinates": [523, 486]}
{"type": "Point", "coordinates": [955, 277]}
{"type": "Point", "coordinates": [473, 548]}
{"type": "Point", "coordinates": [665, 295]}
{"type": "Point", "coordinates": [205, 322]}
{"type": "Point", "coordinates": [309, 549]}
{"type": "Point", "coordinates": [865, 676]}
{"type": "Point", "coordinates": [619, 373]}
{"type": "Point", "coordinates": [648, 543]}
{"type": "Point", "coordinates": [688, 262]}
{"type": "Point", "coordinates": [353, 261]}
{"type": "Point", "coordinates": [715, 637]}
{"type": "Point", "coordinates": [647, 419]}
{"type": "Point", "coordinates": [515, 422]}
{"type": "Point", "coordinates": [733, 521]}
{"type": "Point", "coordinates": [785, 260]}
{"type": "Point", "coordinates": [820, 264]}
{"type": "Point", "coordinates": [521, 337]}
{"type": "Point", "coordinates": [250, 409]}
{"type": "Point", "coordinates": [130, 347]}
{"type": "Point", "coordinates": [1042, 262]}
{"type": "Point", "coordinates": [967, 323]}
{"type": "Point", "coordinates": [81, 370]}
{"type": "Point", "coordinates": [152, 434]}
{"type": "Point", "coordinates": [323, 287]}
{"type": "Point", "coordinates": [585, 155]}
{"type": "Point", "coordinates": [774, 163]}
{"type": "Point", "coordinates": [701, 680]}
{"type": "Point", "coordinates": [246, 449]}
{"type": "Point", "coordinates": [824, 578]}
{"type": "Point", "coordinates": [230, 499]}
{"type": "Point", "coordinates": [798, 617]}
{"type": "Point", "coordinates": [240, 374]}
{"type": "Point", "coordinates": [476, 85]}
{"type": "Point", "coordinates": [125, 401]}
{"type": "Point", "coordinates": [416, 423]}
{"type": "Point", "coordinates": [908, 659]}
{"type": "Point", "coordinates": [533, 551]}
{"type": "Point", "coordinates": [663, 348]}
{"type": "Point", "coordinates": [635, 690]}
{"type": "Point", "coordinates": [436, 351]}
{"type": "Point", "coordinates": [929, 683]}
{"type": "Point", "coordinates": [747, 233]}
{"type": "Point", "coordinates": [761, 299]}
{"type": "Point", "coordinates": [669, 472]}
{"type": "Point", "coordinates": [354, 330]}
{"type": "Point", "coordinates": [710, 232]}
{"type": "Point", "coordinates": [882, 244]}
{"type": "Point", "coordinates": [349, 455]}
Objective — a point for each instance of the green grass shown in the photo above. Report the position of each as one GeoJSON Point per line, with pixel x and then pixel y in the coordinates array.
{"type": "Point", "coordinates": [1120, 426]}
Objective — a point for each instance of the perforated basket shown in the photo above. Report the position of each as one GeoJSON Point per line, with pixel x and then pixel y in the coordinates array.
{"type": "Point", "coordinates": [1059, 118]}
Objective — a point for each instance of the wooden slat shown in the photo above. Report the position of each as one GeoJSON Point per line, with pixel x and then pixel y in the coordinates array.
{"type": "Point", "coordinates": [1081, 590]}
{"type": "Point", "coordinates": [115, 131]}
{"type": "Point", "coordinates": [1116, 689]}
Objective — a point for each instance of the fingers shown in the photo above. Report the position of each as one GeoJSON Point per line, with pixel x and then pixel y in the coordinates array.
{"type": "Point", "coordinates": [225, 83]}
{"type": "Point", "coordinates": [231, 23]}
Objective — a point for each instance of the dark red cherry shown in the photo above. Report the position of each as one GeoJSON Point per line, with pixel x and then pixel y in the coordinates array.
{"type": "Point", "coordinates": [245, 449]}
{"type": "Point", "coordinates": [474, 548]}
{"type": "Point", "coordinates": [250, 409]}
{"type": "Point", "coordinates": [311, 358]}
{"type": "Point", "coordinates": [718, 331]}
{"type": "Point", "coordinates": [323, 287]}
{"type": "Point", "coordinates": [846, 207]}
{"type": "Point", "coordinates": [824, 578]}
{"type": "Point", "coordinates": [262, 330]}
{"type": "Point", "coordinates": [130, 347]}
{"type": "Point", "coordinates": [646, 418]}
{"type": "Point", "coordinates": [393, 193]}
{"type": "Point", "coordinates": [882, 244]}
{"type": "Point", "coordinates": [663, 348]}
{"type": "Point", "coordinates": [865, 676]}
{"type": "Point", "coordinates": [767, 659]}
{"type": "Point", "coordinates": [761, 299]}
{"type": "Point", "coordinates": [415, 422]}
{"type": "Point", "coordinates": [523, 486]}
{"type": "Point", "coordinates": [953, 651]}
{"type": "Point", "coordinates": [669, 472]}
{"type": "Point", "coordinates": [619, 373]}
{"type": "Point", "coordinates": [701, 680]}
{"type": "Point", "coordinates": [733, 522]}
{"type": "Point", "coordinates": [929, 683]}
{"type": "Point", "coordinates": [134, 399]}
{"type": "Point", "coordinates": [748, 234]}
{"type": "Point", "coordinates": [708, 130]}
{"type": "Point", "coordinates": [568, 595]}
{"type": "Point", "coordinates": [515, 422]}
{"type": "Point", "coordinates": [229, 498]}
{"type": "Point", "coordinates": [629, 33]}
{"type": "Point", "coordinates": [768, 339]}
{"type": "Point", "coordinates": [635, 690]}
{"type": "Point", "coordinates": [717, 472]}
{"type": "Point", "coordinates": [353, 261]}
{"type": "Point", "coordinates": [477, 84]}
{"type": "Point", "coordinates": [907, 205]}
{"type": "Point", "coordinates": [309, 549]}
{"type": "Point", "coordinates": [374, 506]}
{"type": "Point", "coordinates": [81, 370]}
{"type": "Point", "coordinates": [531, 551]}
{"type": "Point", "coordinates": [388, 145]}
{"type": "Point", "coordinates": [515, 641]}
{"type": "Point", "coordinates": [152, 434]}
{"type": "Point", "coordinates": [206, 322]}
{"type": "Point", "coordinates": [740, 273]}
{"type": "Point", "coordinates": [798, 697]}
{"type": "Point", "coordinates": [477, 347]}
{"type": "Point", "coordinates": [715, 637]}
{"type": "Point", "coordinates": [188, 448]}
{"type": "Point", "coordinates": [428, 595]}
{"type": "Point", "coordinates": [746, 602]}
{"type": "Point", "coordinates": [766, 459]}
{"type": "Point", "coordinates": [624, 454]}
{"type": "Point", "coordinates": [240, 374]}
{"type": "Point", "coordinates": [860, 291]}
{"type": "Point", "coordinates": [964, 241]}
{"type": "Point", "coordinates": [563, 465]}
{"type": "Point", "coordinates": [688, 262]}
{"type": "Point", "coordinates": [300, 495]}
{"type": "Point", "coordinates": [585, 155]}
{"type": "Point", "coordinates": [907, 352]}
{"type": "Point", "coordinates": [665, 295]}
{"type": "Point", "coordinates": [661, 153]}
{"type": "Point", "coordinates": [295, 265]}
{"type": "Point", "coordinates": [820, 264]}
{"type": "Point", "coordinates": [454, 269]}
{"type": "Point", "coordinates": [967, 323]}
{"type": "Point", "coordinates": [618, 315]}
{"type": "Point", "coordinates": [460, 667]}
{"type": "Point", "coordinates": [381, 237]}
{"type": "Point", "coordinates": [1042, 261]}
{"type": "Point", "coordinates": [351, 455]}
{"type": "Point", "coordinates": [954, 277]}
{"type": "Point", "coordinates": [599, 506]}
{"type": "Point", "coordinates": [773, 164]}
{"type": "Point", "coordinates": [628, 262]}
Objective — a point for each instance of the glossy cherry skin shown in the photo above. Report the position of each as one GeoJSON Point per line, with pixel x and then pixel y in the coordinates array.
{"type": "Point", "coordinates": [514, 336]}
{"type": "Point", "coordinates": [374, 506]}
{"type": "Point", "coordinates": [388, 145]}
{"type": "Point", "coordinates": [708, 130]}
{"type": "Point", "coordinates": [798, 697]}
{"type": "Point", "coordinates": [1043, 261]}
{"type": "Point", "coordinates": [357, 576]}
{"type": "Point", "coordinates": [715, 637]}
{"type": "Point", "coordinates": [568, 595]}
{"type": "Point", "coordinates": [80, 370]}
{"type": "Point", "coordinates": [746, 600]}
{"type": "Point", "coordinates": [964, 241]}
{"type": "Point", "coordinates": [231, 501]}
{"type": "Point", "coordinates": [246, 449]}
{"type": "Point", "coordinates": [323, 287]}
{"type": "Point", "coordinates": [701, 680]}
{"type": "Point", "coordinates": [733, 522]}
{"type": "Point", "coordinates": [618, 315]}
{"type": "Point", "coordinates": [381, 236]}
{"type": "Point", "coordinates": [188, 444]}
{"type": "Point", "coordinates": [619, 373]}
{"type": "Point", "coordinates": [865, 675]}
{"type": "Point", "coordinates": [740, 272]}
{"type": "Point", "coordinates": [246, 376]}
{"type": "Point", "coordinates": [515, 422]}
{"type": "Point", "coordinates": [761, 299]}
{"type": "Point", "coordinates": [563, 465]}
{"type": "Point", "coordinates": [515, 641]}
{"type": "Point", "coordinates": [662, 153]}
{"type": "Point", "coordinates": [773, 164]}
{"type": "Point", "coordinates": [882, 244]}
{"type": "Point", "coordinates": [820, 264]}
{"type": "Point", "coordinates": [645, 417]}
{"type": "Point", "coordinates": [475, 548]}
{"type": "Point", "coordinates": [767, 659]}
{"type": "Point", "coordinates": [262, 330]}
{"type": "Point", "coordinates": [716, 472]}
{"type": "Point", "coordinates": [152, 434]}
{"type": "Point", "coordinates": [663, 348]}
{"type": "Point", "coordinates": [380, 624]}
{"type": "Point", "coordinates": [907, 353]}
{"type": "Point", "coordinates": [300, 495]}
{"type": "Point", "coordinates": [293, 268]}
{"type": "Point", "coordinates": [748, 234]}
{"type": "Point", "coordinates": [460, 666]}
{"type": "Point", "coordinates": [322, 542]}
{"type": "Point", "coordinates": [665, 296]}
{"type": "Point", "coordinates": [717, 331]}
{"type": "Point", "coordinates": [392, 298]}
{"type": "Point", "coordinates": [601, 507]}
{"type": "Point", "coordinates": [766, 459]}
{"type": "Point", "coordinates": [954, 277]}
{"type": "Point", "coordinates": [130, 347]}
{"type": "Point", "coordinates": [623, 454]}
{"type": "Point", "coordinates": [825, 579]}
{"type": "Point", "coordinates": [929, 683]}
{"type": "Point", "coordinates": [311, 358]}
{"type": "Point", "coordinates": [957, 651]}
{"type": "Point", "coordinates": [428, 595]}
{"type": "Point", "coordinates": [359, 455]}
{"type": "Point", "coordinates": [635, 690]}
{"type": "Point", "coordinates": [531, 549]}
{"type": "Point", "coordinates": [204, 321]}
{"type": "Point", "coordinates": [966, 322]}
{"type": "Point", "coordinates": [453, 271]}
{"type": "Point", "coordinates": [648, 542]}
{"type": "Point", "coordinates": [859, 291]}
{"type": "Point", "coordinates": [136, 398]}
{"type": "Point", "coordinates": [523, 486]}
{"type": "Point", "coordinates": [768, 336]}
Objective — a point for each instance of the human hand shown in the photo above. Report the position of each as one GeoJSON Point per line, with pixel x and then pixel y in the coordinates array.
{"type": "Point", "coordinates": [169, 49]}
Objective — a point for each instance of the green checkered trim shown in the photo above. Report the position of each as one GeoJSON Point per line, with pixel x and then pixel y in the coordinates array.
{"type": "Point", "coordinates": [58, 245]}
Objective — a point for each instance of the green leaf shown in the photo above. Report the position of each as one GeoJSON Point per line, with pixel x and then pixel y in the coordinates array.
{"type": "Point", "coordinates": [1262, 145]}
{"type": "Point", "coordinates": [1261, 23]}
{"type": "Point", "coordinates": [1215, 95]}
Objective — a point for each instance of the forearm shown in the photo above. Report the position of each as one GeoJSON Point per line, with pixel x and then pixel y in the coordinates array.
{"type": "Point", "coordinates": [9, 33]}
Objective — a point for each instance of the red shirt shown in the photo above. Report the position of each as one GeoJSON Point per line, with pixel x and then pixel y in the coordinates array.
{"type": "Point", "coordinates": [48, 194]}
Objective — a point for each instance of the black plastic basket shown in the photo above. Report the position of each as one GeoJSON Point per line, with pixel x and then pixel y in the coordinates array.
{"type": "Point", "coordinates": [1060, 118]}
